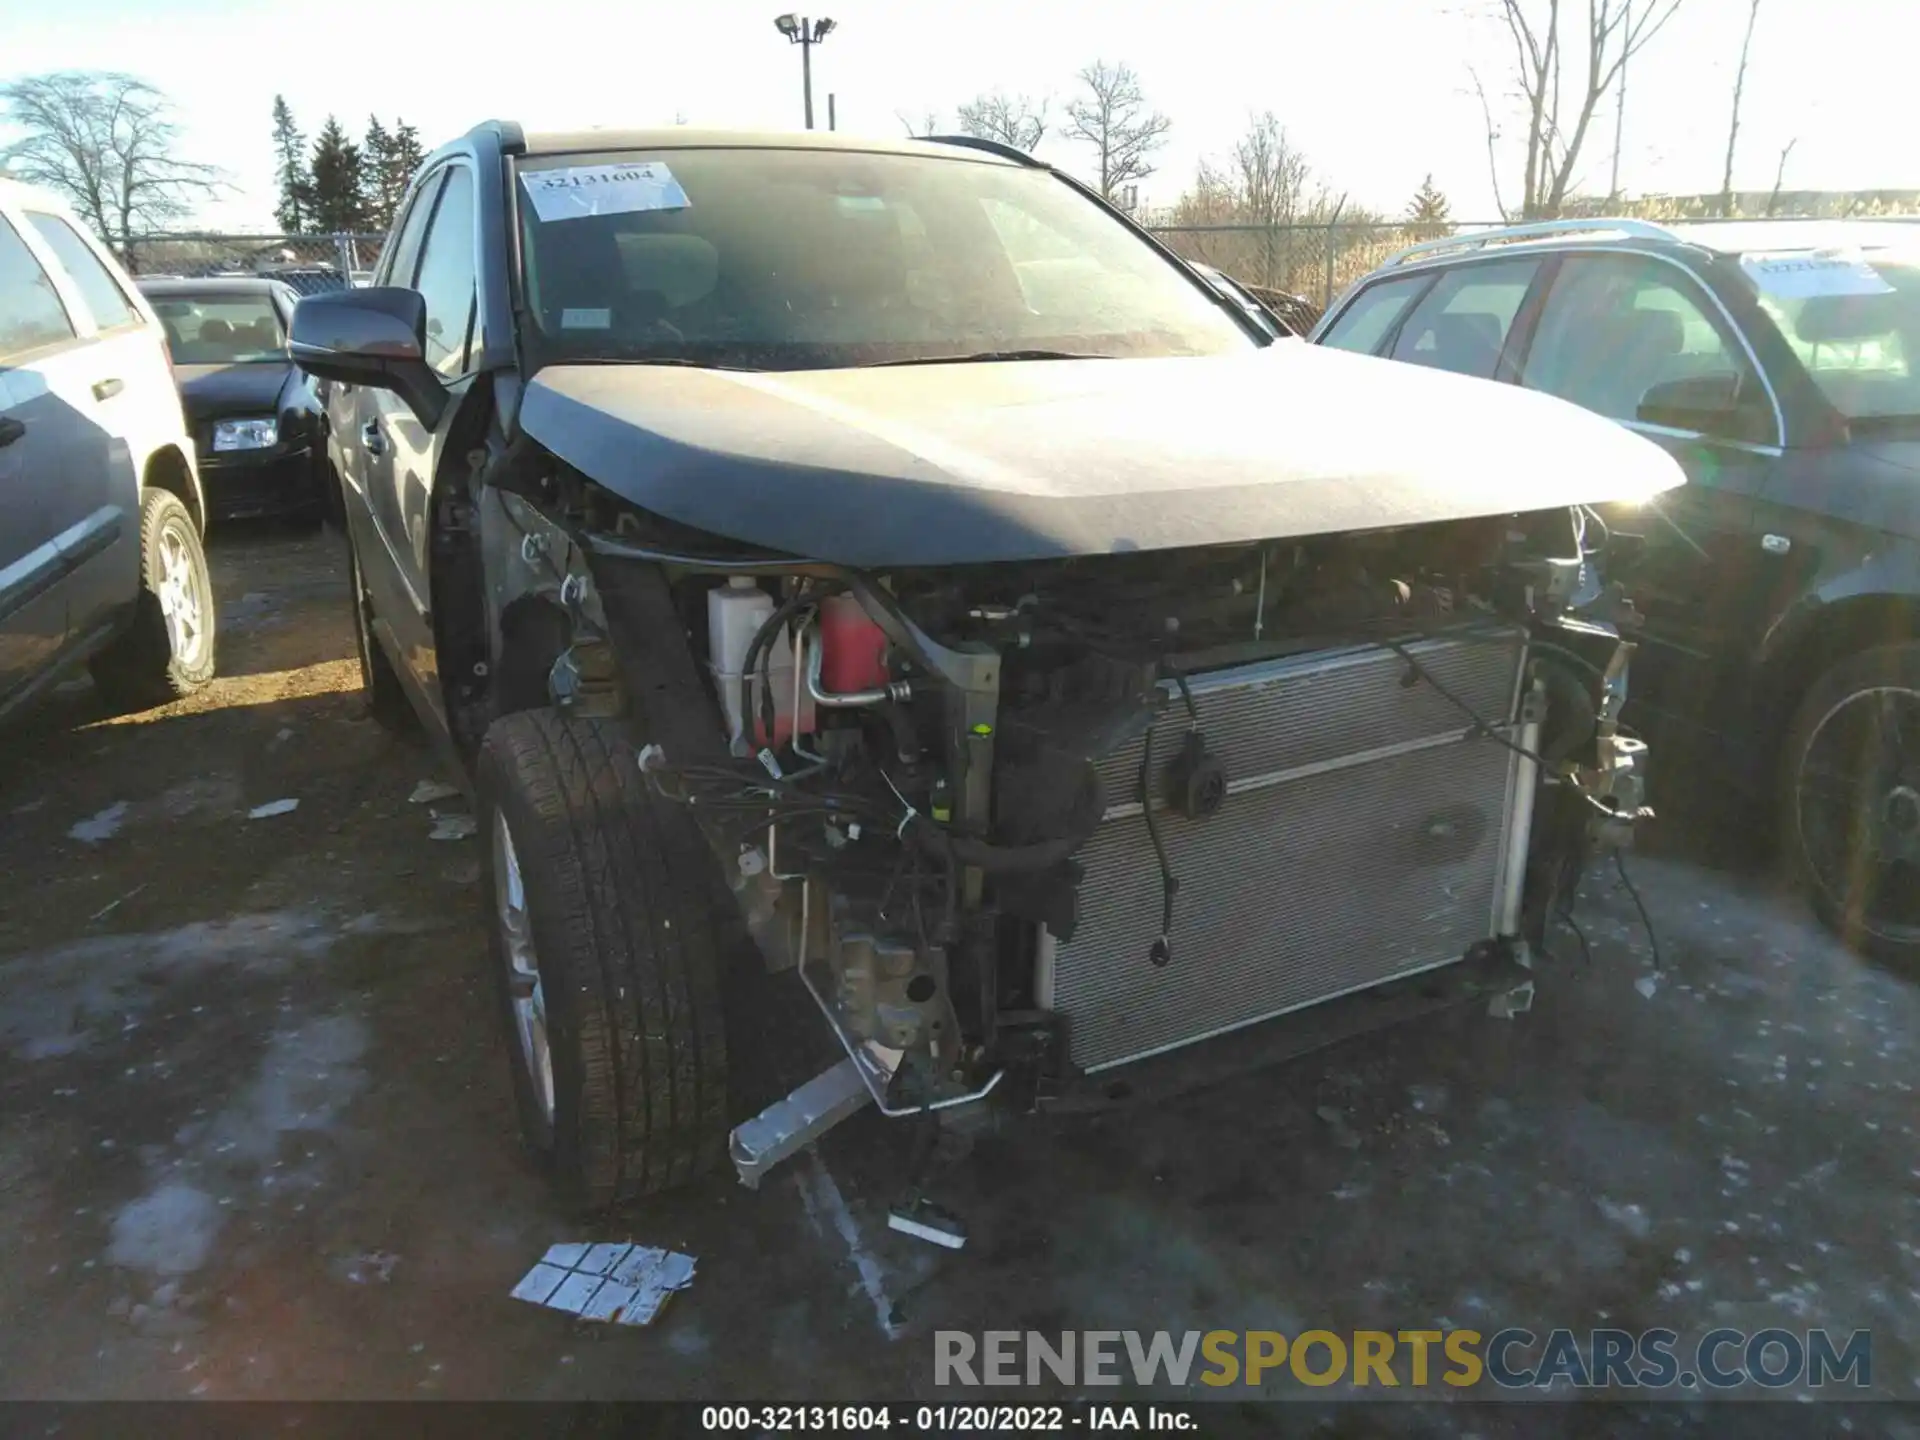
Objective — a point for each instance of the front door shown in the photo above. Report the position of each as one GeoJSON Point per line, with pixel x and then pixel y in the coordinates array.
{"type": "Point", "coordinates": [1611, 328]}
{"type": "Point", "coordinates": [404, 455]}
{"type": "Point", "coordinates": [119, 379]}
{"type": "Point", "coordinates": [46, 438]}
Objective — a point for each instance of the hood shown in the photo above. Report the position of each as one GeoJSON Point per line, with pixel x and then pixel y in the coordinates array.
{"type": "Point", "coordinates": [211, 391]}
{"type": "Point", "coordinates": [956, 463]}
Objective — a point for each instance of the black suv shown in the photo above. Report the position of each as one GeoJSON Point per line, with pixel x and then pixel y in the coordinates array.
{"type": "Point", "coordinates": [1779, 362]}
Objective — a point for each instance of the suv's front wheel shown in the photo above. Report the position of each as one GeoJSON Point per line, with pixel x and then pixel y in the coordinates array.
{"type": "Point", "coordinates": [167, 650]}
{"type": "Point", "coordinates": [605, 953]}
{"type": "Point", "coordinates": [1852, 800]}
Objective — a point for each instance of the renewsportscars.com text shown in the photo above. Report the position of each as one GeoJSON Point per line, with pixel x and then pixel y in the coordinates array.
{"type": "Point", "coordinates": [1509, 1359]}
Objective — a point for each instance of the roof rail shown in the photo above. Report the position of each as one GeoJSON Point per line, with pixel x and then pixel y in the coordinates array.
{"type": "Point", "coordinates": [1537, 230]}
{"type": "Point", "coordinates": [512, 139]}
{"type": "Point", "coordinates": [992, 147]}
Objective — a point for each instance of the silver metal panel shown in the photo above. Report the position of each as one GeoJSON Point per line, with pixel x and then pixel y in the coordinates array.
{"type": "Point", "coordinates": [1373, 850]}
{"type": "Point", "coordinates": [1281, 715]}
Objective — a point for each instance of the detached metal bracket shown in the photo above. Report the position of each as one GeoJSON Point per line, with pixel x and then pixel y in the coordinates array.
{"type": "Point", "coordinates": [795, 1122]}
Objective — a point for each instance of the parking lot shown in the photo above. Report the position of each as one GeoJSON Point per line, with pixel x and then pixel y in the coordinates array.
{"type": "Point", "coordinates": [256, 1136]}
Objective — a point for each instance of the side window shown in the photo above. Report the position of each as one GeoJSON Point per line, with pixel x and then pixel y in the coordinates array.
{"type": "Point", "coordinates": [1365, 322]}
{"type": "Point", "coordinates": [403, 253]}
{"type": "Point", "coordinates": [1462, 323]}
{"type": "Point", "coordinates": [108, 302]}
{"type": "Point", "coordinates": [31, 314]}
{"type": "Point", "coordinates": [1615, 327]}
{"type": "Point", "coordinates": [446, 276]}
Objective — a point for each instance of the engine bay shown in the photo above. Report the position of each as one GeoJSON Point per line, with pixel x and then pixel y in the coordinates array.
{"type": "Point", "coordinates": [1016, 823]}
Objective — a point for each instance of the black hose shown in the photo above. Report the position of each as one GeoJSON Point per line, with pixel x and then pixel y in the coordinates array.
{"type": "Point", "coordinates": [1160, 952]}
{"type": "Point", "coordinates": [1481, 729]}
{"type": "Point", "coordinates": [1646, 920]}
{"type": "Point", "coordinates": [762, 637]}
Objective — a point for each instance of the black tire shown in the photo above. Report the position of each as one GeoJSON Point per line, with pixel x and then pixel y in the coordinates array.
{"type": "Point", "coordinates": [1850, 801]}
{"type": "Point", "coordinates": [387, 701]}
{"type": "Point", "coordinates": [156, 660]}
{"type": "Point", "coordinates": [620, 901]}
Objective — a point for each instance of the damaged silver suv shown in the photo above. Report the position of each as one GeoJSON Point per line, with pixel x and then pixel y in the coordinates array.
{"type": "Point", "coordinates": [892, 540]}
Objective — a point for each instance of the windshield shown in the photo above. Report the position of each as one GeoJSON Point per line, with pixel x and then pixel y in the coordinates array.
{"type": "Point", "coordinates": [783, 259]}
{"type": "Point", "coordinates": [1854, 321]}
{"type": "Point", "coordinates": [220, 330]}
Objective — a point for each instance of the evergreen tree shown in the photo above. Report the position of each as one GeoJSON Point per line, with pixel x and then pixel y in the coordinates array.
{"type": "Point", "coordinates": [294, 212]}
{"type": "Point", "coordinates": [389, 159]}
{"type": "Point", "coordinates": [374, 151]}
{"type": "Point", "coordinates": [406, 158]}
{"type": "Point", "coordinates": [339, 192]}
{"type": "Point", "coordinates": [1429, 210]}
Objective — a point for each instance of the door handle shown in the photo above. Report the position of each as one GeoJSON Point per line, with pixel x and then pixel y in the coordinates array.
{"type": "Point", "coordinates": [372, 439]}
{"type": "Point", "coordinates": [107, 389]}
{"type": "Point", "coordinates": [10, 430]}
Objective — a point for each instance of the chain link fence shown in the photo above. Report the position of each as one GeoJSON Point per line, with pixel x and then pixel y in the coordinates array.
{"type": "Point", "coordinates": [1310, 263]}
{"type": "Point", "coordinates": [309, 263]}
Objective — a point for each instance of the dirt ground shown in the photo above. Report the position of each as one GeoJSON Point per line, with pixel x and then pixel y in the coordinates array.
{"type": "Point", "coordinates": [255, 1126]}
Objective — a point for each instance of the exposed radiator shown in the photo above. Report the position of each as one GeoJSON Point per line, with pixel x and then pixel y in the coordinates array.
{"type": "Point", "coordinates": [1365, 836]}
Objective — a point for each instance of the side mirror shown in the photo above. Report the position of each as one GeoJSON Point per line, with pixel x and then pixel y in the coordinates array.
{"type": "Point", "coordinates": [375, 337]}
{"type": "Point", "coordinates": [1711, 404]}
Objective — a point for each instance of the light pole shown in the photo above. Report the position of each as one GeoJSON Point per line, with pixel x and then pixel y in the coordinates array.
{"type": "Point", "coordinates": [805, 33]}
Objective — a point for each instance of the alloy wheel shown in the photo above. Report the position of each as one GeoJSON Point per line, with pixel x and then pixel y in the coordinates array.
{"type": "Point", "coordinates": [178, 592]}
{"type": "Point", "coordinates": [1858, 798]}
{"type": "Point", "coordinates": [523, 967]}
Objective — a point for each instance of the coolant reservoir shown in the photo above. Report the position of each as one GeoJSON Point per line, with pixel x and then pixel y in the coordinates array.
{"type": "Point", "coordinates": [735, 613]}
{"type": "Point", "coordinates": [852, 646]}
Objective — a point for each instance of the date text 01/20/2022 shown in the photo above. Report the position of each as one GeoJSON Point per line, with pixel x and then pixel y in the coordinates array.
{"type": "Point", "coordinates": [939, 1419]}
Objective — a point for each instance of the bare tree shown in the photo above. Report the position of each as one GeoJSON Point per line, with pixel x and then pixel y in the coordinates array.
{"type": "Point", "coordinates": [919, 126]}
{"type": "Point", "coordinates": [1113, 117]}
{"type": "Point", "coordinates": [1012, 120]}
{"type": "Point", "coordinates": [1733, 123]}
{"type": "Point", "coordinates": [105, 142]}
{"type": "Point", "coordinates": [1563, 67]}
{"type": "Point", "coordinates": [1270, 175]}
{"type": "Point", "coordinates": [1779, 175]}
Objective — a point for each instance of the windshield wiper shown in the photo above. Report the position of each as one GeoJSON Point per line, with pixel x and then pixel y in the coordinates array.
{"type": "Point", "coordinates": [982, 356]}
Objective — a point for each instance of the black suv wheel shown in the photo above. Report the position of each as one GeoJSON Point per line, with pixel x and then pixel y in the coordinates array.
{"type": "Point", "coordinates": [1852, 802]}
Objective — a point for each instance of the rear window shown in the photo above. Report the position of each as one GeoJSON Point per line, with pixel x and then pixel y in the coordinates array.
{"type": "Point", "coordinates": [220, 329]}
{"type": "Point", "coordinates": [803, 259]}
{"type": "Point", "coordinates": [1365, 322]}
{"type": "Point", "coordinates": [105, 299]}
{"type": "Point", "coordinates": [1462, 323]}
{"type": "Point", "coordinates": [1854, 321]}
{"type": "Point", "coordinates": [31, 314]}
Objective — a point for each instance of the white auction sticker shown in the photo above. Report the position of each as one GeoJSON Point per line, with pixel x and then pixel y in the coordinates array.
{"type": "Point", "coordinates": [573, 191]}
{"type": "Point", "coordinates": [1806, 275]}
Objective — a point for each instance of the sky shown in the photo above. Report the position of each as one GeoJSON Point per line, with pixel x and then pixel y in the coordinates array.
{"type": "Point", "coordinates": [1377, 93]}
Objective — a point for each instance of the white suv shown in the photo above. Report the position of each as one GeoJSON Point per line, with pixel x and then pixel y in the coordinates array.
{"type": "Point", "coordinates": [100, 532]}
